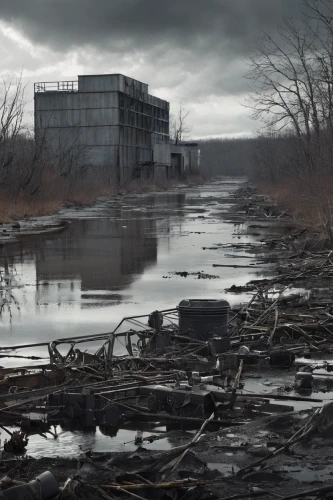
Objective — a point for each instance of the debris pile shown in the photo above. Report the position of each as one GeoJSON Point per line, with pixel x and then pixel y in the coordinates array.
{"type": "Point", "coordinates": [163, 371]}
{"type": "Point", "coordinates": [232, 390]}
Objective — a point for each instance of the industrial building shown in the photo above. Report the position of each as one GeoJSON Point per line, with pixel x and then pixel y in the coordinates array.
{"type": "Point", "coordinates": [113, 124]}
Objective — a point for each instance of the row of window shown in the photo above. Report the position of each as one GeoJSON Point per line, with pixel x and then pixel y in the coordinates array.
{"type": "Point", "coordinates": [142, 121]}
{"type": "Point", "coordinates": [134, 136]}
{"type": "Point", "coordinates": [130, 104]}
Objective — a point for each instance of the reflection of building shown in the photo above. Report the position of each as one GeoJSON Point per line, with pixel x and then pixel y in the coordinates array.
{"type": "Point", "coordinates": [105, 254]}
{"type": "Point", "coordinates": [168, 200]}
{"type": "Point", "coordinates": [79, 266]}
{"type": "Point", "coordinates": [91, 263]}
{"type": "Point", "coordinates": [113, 123]}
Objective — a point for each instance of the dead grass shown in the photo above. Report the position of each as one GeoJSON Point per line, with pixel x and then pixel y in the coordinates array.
{"type": "Point", "coordinates": [11, 210]}
{"type": "Point", "coordinates": [308, 200]}
{"type": "Point", "coordinates": [57, 193]}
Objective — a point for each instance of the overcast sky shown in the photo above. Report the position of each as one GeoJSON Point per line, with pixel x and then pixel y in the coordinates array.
{"type": "Point", "coordinates": [190, 51]}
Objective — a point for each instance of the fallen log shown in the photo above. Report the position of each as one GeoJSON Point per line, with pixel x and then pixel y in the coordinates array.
{"type": "Point", "coordinates": [310, 493]}
{"type": "Point", "coordinates": [176, 418]}
{"type": "Point", "coordinates": [235, 266]}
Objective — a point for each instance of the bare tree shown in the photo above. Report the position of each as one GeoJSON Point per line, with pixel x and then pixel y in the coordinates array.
{"type": "Point", "coordinates": [12, 102]}
{"type": "Point", "coordinates": [21, 162]}
{"type": "Point", "coordinates": [64, 156]}
{"type": "Point", "coordinates": [319, 20]}
{"type": "Point", "coordinates": [227, 156]}
{"type": "Point", "coordinates": [179, 127]}
{"type": "Point", "coordinates": [69, 155]}
{"type": "Point", "coordinates": [283, 85]}
{"type": "Point", "coordinates": [291, 79]}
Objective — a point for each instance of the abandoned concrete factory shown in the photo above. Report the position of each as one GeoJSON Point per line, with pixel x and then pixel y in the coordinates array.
{"type": "Point", "coordinates": [115, 124]}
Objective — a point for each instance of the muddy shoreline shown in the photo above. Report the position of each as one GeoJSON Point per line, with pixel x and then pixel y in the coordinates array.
{"type": "Point", "coordinates": [258, 458]}
{"type": "Point", "coordinates": [11, 232]}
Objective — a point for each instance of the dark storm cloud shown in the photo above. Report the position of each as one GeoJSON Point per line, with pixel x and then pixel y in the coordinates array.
{"type": "Point", "coordinates": [140, 24]}
{"type": "Point", "coordinates": [192, 51]}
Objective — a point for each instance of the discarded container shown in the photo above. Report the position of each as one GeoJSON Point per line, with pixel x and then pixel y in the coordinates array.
{"type": "Point", "coordinates": [304, 380]}
{"type": "Point", "coordinates": [45, 487]}
{"type": "Point", "coordinates": [218, 345]}
{"type": "Point", "coordinates": [206, 317]}
{"type": "Point", "coordinates": [186, 401]}
{"type": "Point", "coordinates": [227, 361]}
{"type": "Point", "coordinates": [282, 358]}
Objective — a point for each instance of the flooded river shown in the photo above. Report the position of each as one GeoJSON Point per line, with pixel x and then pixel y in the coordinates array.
{"type": "Point", "coordinates": [118, 259]}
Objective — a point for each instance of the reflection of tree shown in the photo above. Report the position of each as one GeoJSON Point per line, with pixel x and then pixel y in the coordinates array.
{"type": "Point", "coordinates": [8, 282]}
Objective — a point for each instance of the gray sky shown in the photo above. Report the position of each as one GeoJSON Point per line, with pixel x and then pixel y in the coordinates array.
{"type": "Point", "coordinates": [190, 51]}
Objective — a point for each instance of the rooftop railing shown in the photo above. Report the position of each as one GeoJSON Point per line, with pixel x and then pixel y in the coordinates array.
{"type": "Point", "coordinates": [65, 86]}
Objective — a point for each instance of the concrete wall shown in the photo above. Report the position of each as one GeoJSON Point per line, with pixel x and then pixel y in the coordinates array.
{"type": "Point", "coordinates": [50, 101]}
{"type": "Point", "coordinates": [162, 154]}
{"type": "Point", "coordinates": [190, 157]}
{"type": "Point", "coordinates": [114, 123]}
{"type": "Point", "coordinates": [111, 118]}
{"type": "Point", "coordinates": [109, 83]}
{"type": "Point", "coordinates": [161, 173]}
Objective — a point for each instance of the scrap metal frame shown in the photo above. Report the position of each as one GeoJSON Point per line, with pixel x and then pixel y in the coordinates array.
{"type": "Point", "coordinates": [59, 86]}
{"type": "Point", "coordinates": [104, 354]}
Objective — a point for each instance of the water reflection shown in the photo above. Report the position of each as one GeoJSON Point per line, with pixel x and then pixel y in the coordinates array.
{"type": "Point", "coordinates": [8, 283]}
{"type": "Point", "coordinates": [90, 256]}
{"type": "Point", "coordinates": [89, 264]}
{"type": "Point", "coordinates": [99, 254]}
{"type": "Point", "coordinates": [116, 259]}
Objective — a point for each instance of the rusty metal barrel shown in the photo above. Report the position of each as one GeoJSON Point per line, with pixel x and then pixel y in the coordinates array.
{"type": "Point", "coordinates": [206, 317]}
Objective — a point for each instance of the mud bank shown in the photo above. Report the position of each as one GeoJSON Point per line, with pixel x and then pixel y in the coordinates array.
{"type": "Point", "coordinates": [52, 222]}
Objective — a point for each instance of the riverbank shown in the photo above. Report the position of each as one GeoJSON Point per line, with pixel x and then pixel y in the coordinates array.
{"type": "Point", "coordinates": [55, 194]}
{"type": "Point", "coordinates": [290, 246]}
{"type": "Point", "coordinates": [309, 202]}
{"type": "Point", "coordinates": [38, 215]}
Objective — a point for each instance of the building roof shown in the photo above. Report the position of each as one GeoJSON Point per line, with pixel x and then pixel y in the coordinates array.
{"type": "Point", "coordinates": [115, 74]}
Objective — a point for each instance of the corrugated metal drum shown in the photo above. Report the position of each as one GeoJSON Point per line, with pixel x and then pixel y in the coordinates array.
{"type": "Point", "coordinates": [207, 317]}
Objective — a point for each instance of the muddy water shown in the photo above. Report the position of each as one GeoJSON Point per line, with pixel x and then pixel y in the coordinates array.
{"type": "Point", "coordinates": [118, 259]}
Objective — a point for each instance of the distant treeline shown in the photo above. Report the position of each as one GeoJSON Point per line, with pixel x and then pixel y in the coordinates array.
{"type": "Point", "coordinates": [226, 157]}
{"type": "Point", "coordinates": [299, 179]}
{"type": "Point", "coordinates": [270, 157]}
